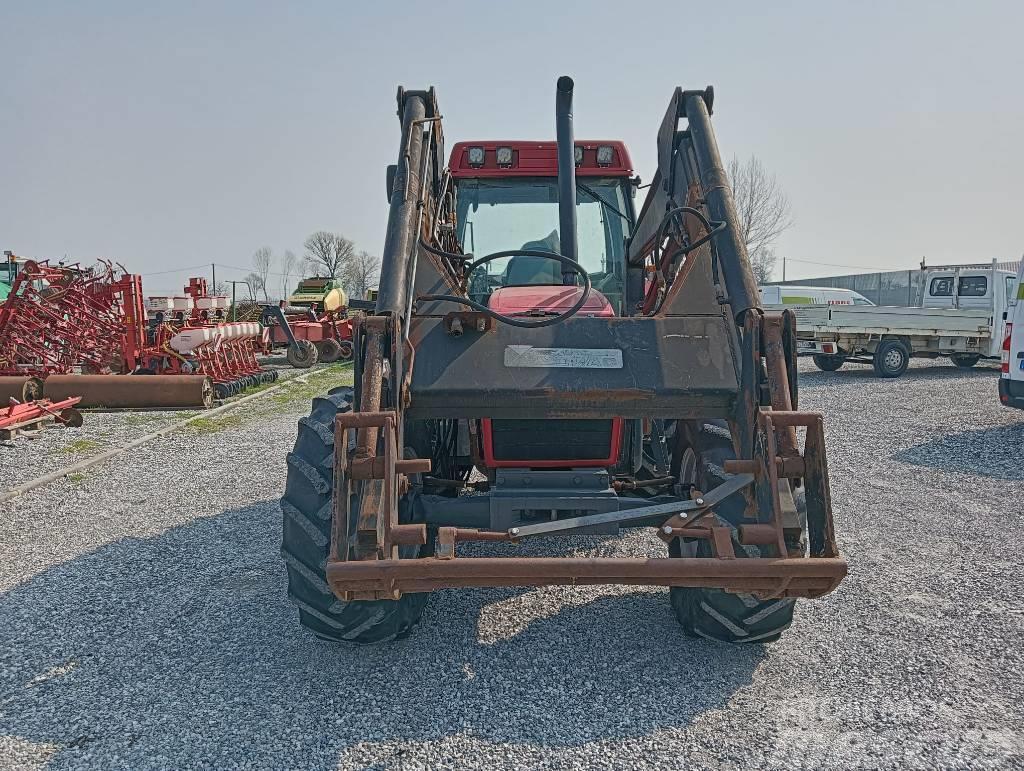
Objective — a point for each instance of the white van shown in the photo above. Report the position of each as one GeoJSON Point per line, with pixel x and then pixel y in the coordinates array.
{"type": "Point", "coordinates": [1011, 377]}
{"type": "Point", "coordinates": [794, 294]}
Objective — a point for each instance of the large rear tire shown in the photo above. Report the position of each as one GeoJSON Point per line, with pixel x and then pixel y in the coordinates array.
{"type": "Point", "coordinates": [306, 510]}
{"type": "Point", "coordinates": [700, 451]}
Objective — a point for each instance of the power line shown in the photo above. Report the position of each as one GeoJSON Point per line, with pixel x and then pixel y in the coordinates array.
{"type": "Point", "coordinates": [826, 264]}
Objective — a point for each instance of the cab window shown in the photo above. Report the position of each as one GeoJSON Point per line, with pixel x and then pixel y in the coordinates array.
{"type": "Point", "coordinates": [973, 286]}
{"type": "Point", "coordinates": [941, 287]}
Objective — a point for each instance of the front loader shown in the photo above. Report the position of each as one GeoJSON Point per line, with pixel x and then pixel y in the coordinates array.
{"type": "Point", "coordinates": [543, 361]}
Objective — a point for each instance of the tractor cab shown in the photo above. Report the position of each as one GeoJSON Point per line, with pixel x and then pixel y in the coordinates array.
{"type": "Point", "coordinates": [507, 199]}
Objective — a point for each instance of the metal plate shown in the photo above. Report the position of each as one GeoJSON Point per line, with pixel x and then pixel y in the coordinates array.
{"type": "Point", "coordinates": [568, 358]}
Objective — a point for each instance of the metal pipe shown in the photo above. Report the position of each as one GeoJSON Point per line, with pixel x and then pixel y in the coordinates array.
{"type": "Point", "coordinates": [24, 389]}
{"type": "Point", "coordinates": [800, 576]}
{"type": "Point", "coordinates": [139, 391]}
{"type": "Point", "coordinates": [401, 236]}
{"type": "Point", "coordinates": [732, 251]}
{"type": "Point", "coordinates": [566, 176]}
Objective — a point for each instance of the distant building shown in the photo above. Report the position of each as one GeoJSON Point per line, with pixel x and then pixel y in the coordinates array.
{"type": "Point", "coordinates": [892, 287]}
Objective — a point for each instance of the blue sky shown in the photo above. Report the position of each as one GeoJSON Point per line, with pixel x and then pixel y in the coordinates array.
{"type": "Point", "coordinates": [170, 135]}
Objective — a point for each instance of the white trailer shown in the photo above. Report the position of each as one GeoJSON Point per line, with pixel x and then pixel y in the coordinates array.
{"type": "Point", "coordinates": [959, 315]}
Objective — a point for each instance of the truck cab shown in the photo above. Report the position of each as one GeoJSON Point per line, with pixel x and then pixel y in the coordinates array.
{"type": "Point", "coordinates": [1011, 375]}
{"type": "Point", "coordinates": [972, 288]}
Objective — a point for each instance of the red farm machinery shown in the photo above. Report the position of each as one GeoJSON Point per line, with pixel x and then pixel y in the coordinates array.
{"type": "Point", "coordinates": [315, 322]}
{"type": "Point", "coordinates": [545, 361]}
{"type": "Point", "coordinates": [87, 331]}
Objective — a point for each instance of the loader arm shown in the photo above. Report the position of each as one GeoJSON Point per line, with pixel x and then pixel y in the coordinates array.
{"type": "Point", "coordinates": [691, 343]}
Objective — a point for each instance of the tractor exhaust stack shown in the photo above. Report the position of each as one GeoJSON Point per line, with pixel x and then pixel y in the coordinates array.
{"type": "Point", "coordinates": [566, 176]}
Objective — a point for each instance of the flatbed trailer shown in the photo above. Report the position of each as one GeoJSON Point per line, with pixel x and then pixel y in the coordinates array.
{"type": "Point", "coordinates": [889, 336]}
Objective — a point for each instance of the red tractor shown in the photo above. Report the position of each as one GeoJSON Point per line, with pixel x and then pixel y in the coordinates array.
{"type": "Point", "coordinates": [542, 361]}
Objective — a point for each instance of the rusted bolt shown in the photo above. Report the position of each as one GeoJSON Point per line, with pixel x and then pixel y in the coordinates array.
{"type": "Point", "coordinates": [455, 328]}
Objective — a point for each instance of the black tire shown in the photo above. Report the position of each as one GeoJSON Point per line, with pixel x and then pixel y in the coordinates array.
{"type": "Point", "coordinates": [306, 510]}
{"type": "Point", "coordinates": [828, 363]}
{"type": "Point", "coordinates": [891, 359]}
{"type": "Point", "coordinates": [328, 350]}
{"type": "Point", "coordinates": [302, 355]}
{"type": "Point", "coordinates": [714, 613]}
{"type": "Point", "coordinates": [965, 360]}
{"type": "Point", "coordinates": [346, 349]}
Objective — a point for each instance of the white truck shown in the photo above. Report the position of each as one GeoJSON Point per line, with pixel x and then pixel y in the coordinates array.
{"type": "Point", "coordinates": [959, 314]}
{"type": "Point", "coordinates": [1011, 376]}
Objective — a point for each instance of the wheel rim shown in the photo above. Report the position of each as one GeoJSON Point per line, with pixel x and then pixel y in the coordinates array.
{"type": "Point", "coordinates": [893, 358]}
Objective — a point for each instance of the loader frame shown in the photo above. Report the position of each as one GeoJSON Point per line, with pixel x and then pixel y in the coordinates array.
{"type": "Point", "coordinates": [694, 343]}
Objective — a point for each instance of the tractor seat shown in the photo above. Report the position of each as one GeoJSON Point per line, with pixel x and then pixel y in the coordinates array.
{"type": "Point", "coordinates": [525, 270]}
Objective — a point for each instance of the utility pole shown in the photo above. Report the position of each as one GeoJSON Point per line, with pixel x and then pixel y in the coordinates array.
{"type": "Point", "coordinates": [234, 305]}
{"type": "Point", "coordinates": [213, 270]}
{"type": "Point", "coordinates": [783, 269]}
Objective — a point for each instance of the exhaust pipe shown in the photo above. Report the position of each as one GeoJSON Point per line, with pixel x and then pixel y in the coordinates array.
{"type": "Point", "coordinates": [566, 176]}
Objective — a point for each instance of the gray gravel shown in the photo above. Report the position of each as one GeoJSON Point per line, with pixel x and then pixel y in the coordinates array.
{"type": "Point", "coordinates": [143, 623]}
{"type": "Point", "coordinates": [31, 455]}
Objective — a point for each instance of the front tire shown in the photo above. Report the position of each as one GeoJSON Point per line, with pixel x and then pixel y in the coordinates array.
{"type": "Point", "coordinates": [302, 355]}
{"type": "Point", "coordinates": [699, 455]}
{"type": "Point", "coordinates": [891, 359]}
{"type": "Point", "coordinates": [306, 509]}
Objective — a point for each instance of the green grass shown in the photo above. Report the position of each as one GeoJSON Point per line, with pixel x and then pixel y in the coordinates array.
{"type": "Point", "coordinates": [213, 425]}
{"type": "Point", "coordinates": [81, 446]}
{"type": "Point", "coordinates": [76, 477]}
{"type": "Point", "coordinates": [320, 381]}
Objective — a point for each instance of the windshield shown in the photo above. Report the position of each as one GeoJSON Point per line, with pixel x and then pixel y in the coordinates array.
{"type": "Point", "coordinates": [503, 214]}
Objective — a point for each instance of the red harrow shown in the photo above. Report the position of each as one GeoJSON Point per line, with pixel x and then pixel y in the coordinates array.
{"type": "Point", "coordinates": [66, 319]}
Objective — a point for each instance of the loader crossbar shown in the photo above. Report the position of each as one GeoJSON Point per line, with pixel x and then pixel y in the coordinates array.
{"type": "Point", "coordinates": [766, 578]}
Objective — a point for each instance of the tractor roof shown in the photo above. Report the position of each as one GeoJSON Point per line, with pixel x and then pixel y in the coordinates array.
{"type": "Point", "coordinates": [538, 159]}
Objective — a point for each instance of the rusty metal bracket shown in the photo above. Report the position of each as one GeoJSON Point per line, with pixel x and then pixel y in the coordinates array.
{"type": "Point", "coordinates": [459, 322]}
{"type": "Point", "coordinates": [705, 502]}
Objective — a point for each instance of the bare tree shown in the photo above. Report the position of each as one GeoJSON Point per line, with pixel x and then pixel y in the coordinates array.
{"type": "Point", "coordinates": [256, 285]}
{"type": "Point", "coordinates": [331, 252]}
{"type": "Point", "coordinates": [763, 210]}
{"type": "Point", "coordinates": [362, 274]}
{"type": "Point", "coordinates": [288, 263]}
{"type": "Point", "coordinates": [262, 260]}
{"type": "Point", "coordinates": [763, 263]}
{"type": "Point", "coordinates": [308, 267]}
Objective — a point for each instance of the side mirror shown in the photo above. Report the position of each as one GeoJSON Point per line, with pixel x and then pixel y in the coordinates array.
{"type": "Point", "coordinates": [391, 172]}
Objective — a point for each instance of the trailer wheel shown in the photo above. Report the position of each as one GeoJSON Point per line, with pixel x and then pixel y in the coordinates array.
{"type": "Point", "coordinates": [302, 355]}
{"type": "Point", "coordinates": [346, 349]}
{"type": "Point", "coordinates": [306, 510]}
{"type": "Point", "coordinates": [701, 449]}
{"type": "Point", "coordinates": [827, 362]}
{"type": "Point", "coordinates": [891, 359]}
{"type": "Point", "coordinates": [965, 360]}
{"type": "Point", "coordinates": [328, 350]}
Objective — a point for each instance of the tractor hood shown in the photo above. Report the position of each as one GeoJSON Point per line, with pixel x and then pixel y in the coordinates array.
{"type": "Point", "coordinates": [548, 300]}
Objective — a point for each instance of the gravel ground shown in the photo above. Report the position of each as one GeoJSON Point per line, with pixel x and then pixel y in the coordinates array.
{"type": "Point", "coordinates": [143, 622]}
{"type": "Point", "coordinates": [31, 455]}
